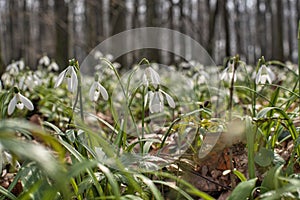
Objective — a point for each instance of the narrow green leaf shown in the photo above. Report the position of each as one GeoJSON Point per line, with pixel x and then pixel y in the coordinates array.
{"type": "Point", "coordinates": [112, 181]}
{"type": "Point", "coordinates": [240, 175]}
{"type": "Point", "coordinates": [7, 193]}
{"type": "Point", "coordinates": [151, 186]}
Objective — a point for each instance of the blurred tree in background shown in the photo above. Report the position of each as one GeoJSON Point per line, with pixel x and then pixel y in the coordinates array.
{"type": "Point", "coordinates": [66, 28]}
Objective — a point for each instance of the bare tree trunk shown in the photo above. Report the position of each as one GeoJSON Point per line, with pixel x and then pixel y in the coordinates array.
{"type": "Point", "coordinates": [277, 37]}
{"type": "Point", "coordinates": [61, 43]}
{"type": "Point", "coordinates": [212, 19]}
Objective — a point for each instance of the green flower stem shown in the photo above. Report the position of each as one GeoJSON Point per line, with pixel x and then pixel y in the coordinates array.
{"type": "Point", "coordinates": [143, 118]}
{"type": "Point", "coordinates": [123, 90]}
{"type": "Point", "coordinates": [231, 89]}
{"type": "Point", "coordinates": [78, 93]}
{"type": "Point", "coordinates": [254, 89]}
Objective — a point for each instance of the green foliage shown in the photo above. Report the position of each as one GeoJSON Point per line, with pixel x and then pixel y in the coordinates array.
{"type": "Point", "coordinates": [54, 154]}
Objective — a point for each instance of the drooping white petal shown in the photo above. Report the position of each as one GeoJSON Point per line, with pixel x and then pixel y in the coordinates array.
{"type": "Point", "coordinates": [170, 100]}
{"type": "Point", "coordinates": [258, 76]}
{"type": "Point", "coordinates": [103, 92]}
{"type": "Point", "coordinates": [271, 75]}
{"type": "Point", "coordinates": [60, 78]}
{"type": "Point", "coordinates": [145, 81]}
{"type": "Point", "coordinates": [74, 80]}
{"type": "Point", "coordinates": [92, 92]}
{"type": "Point", "coordinates": [156, 103]}
{"type": "Point", "coordinates": [96, 95]}
{"type": "Point", "coordinates": [148, 95]}
{"type": "Point", "coordinates": [12, 105]}
{"type": "Point", "coordinates": [155, 79]}
{"type": "Point", "coordinates": [28, 104]}
{"type": "Point", "coordinates": [224, 74]}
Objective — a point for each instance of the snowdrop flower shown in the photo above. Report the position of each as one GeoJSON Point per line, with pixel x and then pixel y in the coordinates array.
{"type": "Point", "coordinates": [70, 74]}
{"type": "Point", "coordinates": [19, 101]}
{"type": "Point", "coordinates": [201, 77]}
{"type": "Point", "coordinates": [228, 73]}
{"type": "Point", "coordinates": [32, 80]}
{"type": "Point", "coordinates": [7, 79]}
{"type": "Point", "coordinates": [12, 68]}
{"type": "Point", "coordinates": [151, 77]}
{"type": "Point", "coordinates": [45, 60]}
{"type": "Point", "coordinates": [53, 67]}
{"type": "Point", "coordinates": [97, 89]}
{"type": "Point", "coordinates": [21, 64]}
{"type": "Point", "coordinates": [156, 103]}
{"type": "Point", "coordinates": [98, 55]}
{"type": "Point", "coordinates": [264, 74]}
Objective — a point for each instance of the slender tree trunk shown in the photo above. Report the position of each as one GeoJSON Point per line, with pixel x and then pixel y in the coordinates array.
{"type": "Point", "coordinates": [61, 27]}
{"type": "Point", "coordinates": [277, 38]}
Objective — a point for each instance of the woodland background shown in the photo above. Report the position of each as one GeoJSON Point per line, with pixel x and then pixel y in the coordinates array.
{"type": "Point", "coordinates": [63, 29]}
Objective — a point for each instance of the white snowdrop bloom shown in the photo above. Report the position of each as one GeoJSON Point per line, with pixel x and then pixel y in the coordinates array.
{"type": "Point", "coordinates": [95, 91]}
{"type": "Point", "coordinates": [0, 85]}
{"type": "Point", "coordinates": [12, 68]}
{"type": "Point", "coordinates": [70, 74]}
{"type": "Point", "coordinates": [53, 67]}
{"type": "Point", "coordinates": [185, 65]}
{"type": "Point", "coordinates": [21, 64]}
{"type": "Point", "coordinates": [156, 102]}
{"type": "Point", "coordinates": [19, 101]}
{"type": "Point", "coordinates": [201, 77]}
{"type": "Point", "coordinates": [21, 83]}
{"type": "Point", "coordinates": [45, 60]}
{"type": "Point", "coordinates": [98, 55]}
{"type": "Point", "coordinates": [32, 80]}
{"type": "Point", "coordinates": [264, 74]}
{"type": "Point", "coordinates": [7, 79]}
{"type": "Point", "coordinates": [116, 65]}
{"type": "Point", "coordinates": [228, 73]}
{"type": "Point", "coordinates": [109, 57]}
{"type": "Point", "coordinates": [151, 77]}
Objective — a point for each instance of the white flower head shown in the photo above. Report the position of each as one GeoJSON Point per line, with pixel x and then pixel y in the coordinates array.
{"type": "Point", "coordinates": [7, 79]}
{"type": "Point", "coordinates": [70, 74]}
{"type": "Point", "coordinates": [228, 73]}
{"type": "Point", "coordinates": [156, 102]}
{"type": "Point", "coordinates": [151, 77]}
{"type": "Point", "coordinates": [98, 55]}
{"type": "Point", "coordinates": [95, 91]}
{"type": "Point", "coordinates": [12, 68]}
{"type": "Point", "coordinates": [45, 60]}
{"type": "Point", "coordinates": [32, 80]}
{"type": "Point", "coordinates": [21, 64]}
{"type": "Point", "coordinates": [53, 67]}
{"type": "Point", "coordinates": [19, 101]}
{"type": "Point", "coordinates": [264, 74]}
